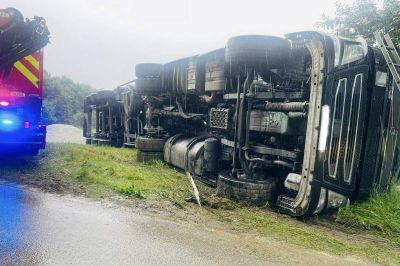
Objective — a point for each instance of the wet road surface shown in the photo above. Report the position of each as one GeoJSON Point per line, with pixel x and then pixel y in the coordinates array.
{"type": "Point", "coordinates": [38, 228]}
{"type": "Point", "coordinates": [46, 229]}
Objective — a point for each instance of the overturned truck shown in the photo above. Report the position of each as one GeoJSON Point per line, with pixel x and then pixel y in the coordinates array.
{"type": "Point", "coordinates": [300, 121]}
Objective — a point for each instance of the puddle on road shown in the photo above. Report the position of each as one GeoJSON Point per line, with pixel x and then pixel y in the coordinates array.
{"type": "Point", "coordinates": [39, 228]}
{"type": "Point", "coordinates": [15, 224]}
{"type": "Point", "coordinates": [47, 229]}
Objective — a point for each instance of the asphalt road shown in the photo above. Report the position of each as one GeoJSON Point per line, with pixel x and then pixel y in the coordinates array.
{"type": "Point", "coordinates": [60, 133]}
{"type": "Point", "coordinates": [38, 228]}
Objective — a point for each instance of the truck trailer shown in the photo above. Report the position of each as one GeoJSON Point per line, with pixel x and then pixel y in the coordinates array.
{"type": "Point", "coordinates": [21, 82]}
{"type": "Point", "coordinates": [300, 121]}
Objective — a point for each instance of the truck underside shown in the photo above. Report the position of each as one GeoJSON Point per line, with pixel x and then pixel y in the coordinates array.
{"type": "Point", "coordinates": [299, 121]}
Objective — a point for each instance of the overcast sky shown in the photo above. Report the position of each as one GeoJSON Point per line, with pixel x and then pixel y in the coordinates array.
{"type": "Point", "coordinates": [99, 42]}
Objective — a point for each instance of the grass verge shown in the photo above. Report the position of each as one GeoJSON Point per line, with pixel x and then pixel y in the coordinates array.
{"type": "Point", "coordinates": [117, 170]}
{"type": "Point", "coordinates": [381, 213]}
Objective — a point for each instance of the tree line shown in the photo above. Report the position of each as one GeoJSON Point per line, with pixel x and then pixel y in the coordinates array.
{"type": "Point", "coordinates": [363, 18]}
{"type": "Point", "coordinates": [63, 100]}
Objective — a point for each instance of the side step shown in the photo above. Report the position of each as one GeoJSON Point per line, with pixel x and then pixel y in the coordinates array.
{"type": "Point", "coordinates": [285, 205]}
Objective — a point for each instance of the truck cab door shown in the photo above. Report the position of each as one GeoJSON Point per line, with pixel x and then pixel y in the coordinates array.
{"type": "Point", "coordinates": [346, 95]}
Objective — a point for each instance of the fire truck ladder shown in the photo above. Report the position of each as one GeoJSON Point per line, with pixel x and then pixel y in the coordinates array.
{"type": "Point", "coordinates": [392, 59]}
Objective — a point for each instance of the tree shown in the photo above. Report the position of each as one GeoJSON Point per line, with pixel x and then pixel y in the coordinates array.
{"type": "Point", "coordinates": [363, 17]}
{"type": "Point", "coordinates": [63, 100]}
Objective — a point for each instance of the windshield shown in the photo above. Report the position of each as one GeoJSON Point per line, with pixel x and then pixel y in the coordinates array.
{"type": "Point", "coordinates": [349, 50]}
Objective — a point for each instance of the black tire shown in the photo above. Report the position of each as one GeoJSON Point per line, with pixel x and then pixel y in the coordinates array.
{"type": "Point", "coordinates": [148, 85]}
{"type": "Point", "coordinates": [256, 51]}
{"type": "Point", "coordinates": [149, 144]}
{"type": "Point", "coordinates": [148, 156]}
{"type": "Point", "coordinates": [91, 99]}
{"type": "Point", "coordinates": [88, 141]}
{"type": "Point", "coordinates": [249, 191]}
{"type": "Point", "coordinates": [103, 96]}
{"type": "Point", "coordinates": [148, 70]}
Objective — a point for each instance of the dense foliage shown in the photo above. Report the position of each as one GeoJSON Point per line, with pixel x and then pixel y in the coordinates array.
{"type": "Point", "coordinates": [63, 100]}
{"type": "Point", "coordinates": [363, 17]}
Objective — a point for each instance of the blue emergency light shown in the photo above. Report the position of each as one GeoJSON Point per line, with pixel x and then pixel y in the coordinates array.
{"type": "Point", "coordinates": [9, 122]}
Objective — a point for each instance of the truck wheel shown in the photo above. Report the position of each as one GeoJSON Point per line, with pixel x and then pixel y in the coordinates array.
{"type": "Point", "coordinates": [149, 144]}
{"type": "Point", "coordinates": [91, 99]}
{"type": "Point", "coordinates": [249, 191]}
{"type": "Point", "coordinates": [256, 51]}
{"type": "Point", "coordinates": [148, 156]}
{"type": "Point", "coordinates": [148, 70]}
{"type": "Point", "coordinates": [149, 84]}
{"type": "Point", "coordinates": [104, 95]}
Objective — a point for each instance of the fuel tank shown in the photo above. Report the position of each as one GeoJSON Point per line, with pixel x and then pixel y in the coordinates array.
{"type": "Point", "coordinates": [186, 153]}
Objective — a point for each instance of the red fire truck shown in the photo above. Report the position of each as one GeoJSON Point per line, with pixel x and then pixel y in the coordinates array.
{"type": "Point", "coordinates": [21, 82]}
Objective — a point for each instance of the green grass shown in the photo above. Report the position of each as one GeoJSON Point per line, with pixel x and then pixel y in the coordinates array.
{"type": "Point", "coordinates": [380, 213]}
{"type": "Point", "coordinates": [319, 238]}
{"type": "Point", "coordinates": [117, 169]}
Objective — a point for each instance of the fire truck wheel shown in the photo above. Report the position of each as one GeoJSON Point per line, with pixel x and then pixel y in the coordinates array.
{"type": "Point", "coordinates": [148, 70]}
{"type": "Point", "coordinates": [148, 156]}
{"type": "Point", "coordinates": [149, 144]}
{"type": "Point", "coordinates": [249, 191]}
